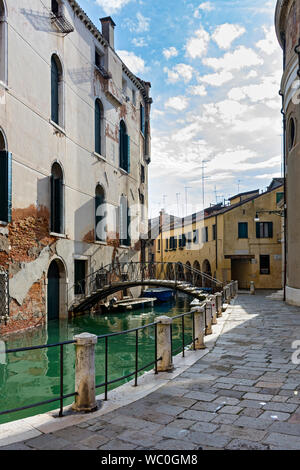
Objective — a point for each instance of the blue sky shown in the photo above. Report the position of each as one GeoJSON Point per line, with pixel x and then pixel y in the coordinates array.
{"type": "Point", "coordinates": [215, 69]}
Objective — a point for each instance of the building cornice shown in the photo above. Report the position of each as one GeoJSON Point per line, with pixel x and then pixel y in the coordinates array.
{"type": "Point", "coordinates": [80, 13]}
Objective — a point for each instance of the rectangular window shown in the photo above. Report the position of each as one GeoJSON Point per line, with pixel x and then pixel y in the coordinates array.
{"type": "Point", "coordinates": [158, 245]}
{"type": "Point", "coordinates": [243, 229]}
{"type": "Point", "coordinates": [264, 229]}
{"type": "Point", "coordinates": [204, 234]}
{"type": "Point", "coordinates": [54, 7]}
{"type": "Point", "coordinates": [80, 275]}
{"type": "Point", "coordinates": [5, 186]}
{"type": "Point", "coordinates": [189, 239]}
{"type": "Point", "coordinates": [214, 229]}
{"type": "Point", "coordinates": [167, 244]}
{"type": "Point", "coordinates": [142, 174]}
{"type": "Point", "coordinates": [279, 197]}
{"type": "Point", "coordinates": [264, 264]}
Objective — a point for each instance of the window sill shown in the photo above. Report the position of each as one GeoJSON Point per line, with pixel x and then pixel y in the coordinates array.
{"type": "Point", "coordinates": [58, 235]}
{"type": "Point", "coordinates": [124, 172]}
{"type": "Point", "coordinates": [57, 127]}
{"type": "Point", "coordinates": [143, 135]}
{"type": "Point", "coordinates": [125, 246]}
{"type": "Point", "coordinates": [98, 242]}
{"type": "Point", "coordinates": [99, 156]}
{"type": "Point", "coordinates": [3, 223]}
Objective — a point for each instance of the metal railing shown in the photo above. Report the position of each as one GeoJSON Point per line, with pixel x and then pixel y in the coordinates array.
{"type": "Point", "coordinates": [62, 396]}
{"type": "Point", "coordinates": [125, 272]}
{"type": "Point", "coordinates": [137, 370]}
{"type": "Point", "coordinates": [229, 290]}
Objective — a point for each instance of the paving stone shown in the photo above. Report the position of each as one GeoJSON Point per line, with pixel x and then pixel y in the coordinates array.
{"type": "Point", "coordinates": [285, 407]}
{"type": "Point", "coordinates": [257, 396]}
{"type": "Point", "coordinates": [283, 442]}
{"type": "Point", "coordinates": [234, 410]}
{"type": "Point", "coordinates": [225, 419]}
{"type": "Point", "coordinates": [248, 422]}
{"type": "Point", "coordinates": [275, 416]}
{"type": "Point", "coordinates": [169, 410]}
{"type": "Point", "coordinates": [204, 427]}
{"type": "Point", "coordinates": [173, 432]}
{"type": "Point", "coordinates": [139, 438]}
{"type": "Point", "coordinates": [16, 446]}
{"type": "Point", "coordinates": [235, 432]}
{"type": "Point", "coordinates": [198, 415]}
{"type": "Point", "coordinates": [201, 396]}
{"type": "Point", "coordinates": [269, 384]}
{"type": "Point", "coordinates": [204, 439]}
{"type": "Point", "coordinates": [205, 406]}
{"type": "Point", "coordinates": [251, 412]}
{"type": "Point", "coordinates": [295, 418]}
{"type": "Point", "coordinates": [117, 444]}
{"type": "Point", "coordinates": [48, 442]}
{"type": "Point", "coordinates": [227, 400]}
{"type": "Point", "coordinates": [243, 444]}
{"type": "Point", "coordinates": [94, 442]}
{"type": "Point", "coordinates": [285, 428]}
{"type": "Point", "coordinates": [173, 444]}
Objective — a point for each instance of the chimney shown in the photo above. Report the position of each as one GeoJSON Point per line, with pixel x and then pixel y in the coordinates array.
{"type": "Point", "coordinates": [108, 27]}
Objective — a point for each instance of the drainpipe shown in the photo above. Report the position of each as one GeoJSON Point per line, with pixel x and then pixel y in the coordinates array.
{"type": "Point", "coordinates": [216, 244]}
{"type": "Point", "coordinates": [284, 176]}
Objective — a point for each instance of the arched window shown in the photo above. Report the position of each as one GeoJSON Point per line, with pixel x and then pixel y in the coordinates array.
{"type": "Point", "coordinates": [291, 134]}
{"type": "Point", "coordinates": [57, 199]}
{"type": "Point", "coordinates": [3, 42]}
{"type": "Point", "coordinates": [124, 222]}
{"type": "Point", "coordinates": [56, 91]}
{"type": "Point", "coordinates": [100, 214]}
{"type": "Point", "coordinates": [99, 134]}
{"type": "Point", "coordinates": [5, 181]}
{"type": "Point", "coordinates": [124, 140]}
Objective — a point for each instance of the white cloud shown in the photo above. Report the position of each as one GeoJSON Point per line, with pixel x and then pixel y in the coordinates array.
{"type": "Point", "coordinates": [179, 103]}
{"type": "Point", "coordinates": [112, 6]}
{"type": "Point", "coordinates": [264, 91]}
{"type": "Point", "coordinates": [269, 44]}
{"type": "Point", "coordinates": [241, 58]}
{"type": "Point", "coordinates": [139, 42]}
{"type": "Point", "coordinates": [171, 52]}
{"type": "Point", "coordinates": [187, 133]}
{"type": "Point", "coordinates": [216, 79]}
{"type": "Point", "coordinates": [198, 90]}
{"type": "Point", "coordinates": [139, 25]}
{"type": "Point", "coordinates": [179, 72]}
{"type": "Point", "coordinates": [227, 110]}
{"type": "Point", "coordinates": [225, 34]}
{"type": "Point", "coordinates": [205, 6]}
{"type": "Point", "coordinates": [134, 63]}
{"type": "Point", "coordinates": [197, 45]}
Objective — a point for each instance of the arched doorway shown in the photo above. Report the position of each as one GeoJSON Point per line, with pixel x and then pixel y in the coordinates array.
{"type": "Point", "coordinates": [56, 293]}
{"type": "Point", "coordinates": [207, 270]}
{"type": "Point", "coordinates": [196, 275]}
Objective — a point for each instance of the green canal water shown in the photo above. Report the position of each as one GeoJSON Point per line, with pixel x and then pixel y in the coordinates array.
{"type": "Point", "coordinates": [33, 376]}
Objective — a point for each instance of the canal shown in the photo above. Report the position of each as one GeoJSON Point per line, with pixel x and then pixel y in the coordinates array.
{"type": "Point", "coordinates": [33, 376]}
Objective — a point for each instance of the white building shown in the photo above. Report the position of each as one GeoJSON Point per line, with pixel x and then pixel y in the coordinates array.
{"type": "Point", "coordinates": [74, 135]}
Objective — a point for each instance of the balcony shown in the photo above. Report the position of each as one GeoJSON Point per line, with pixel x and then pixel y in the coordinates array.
{"type": "Point", "coordinates": [61, 23]}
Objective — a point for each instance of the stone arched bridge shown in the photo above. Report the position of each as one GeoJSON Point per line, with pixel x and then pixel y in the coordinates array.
{"type": "Point", "coordinates": [120, 276]}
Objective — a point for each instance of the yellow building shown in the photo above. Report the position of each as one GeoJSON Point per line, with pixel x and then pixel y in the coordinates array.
{"type": "Point", "coordinates": [241, 241]}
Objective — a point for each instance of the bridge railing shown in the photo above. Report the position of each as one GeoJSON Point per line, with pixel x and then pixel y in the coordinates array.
{"type": "Point", "coordinates": [131, 271]}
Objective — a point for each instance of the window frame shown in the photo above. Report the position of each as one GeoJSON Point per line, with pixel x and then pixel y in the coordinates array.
{"type": "Point", "coordinates": [243, 234]}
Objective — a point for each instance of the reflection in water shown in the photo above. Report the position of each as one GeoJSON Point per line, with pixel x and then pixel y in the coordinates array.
{"type": "Point", "coordinates": [33, 376]}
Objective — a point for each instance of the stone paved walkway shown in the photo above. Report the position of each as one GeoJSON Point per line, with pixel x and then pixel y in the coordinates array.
{"type": "Point", "coordinates": [242, 395]}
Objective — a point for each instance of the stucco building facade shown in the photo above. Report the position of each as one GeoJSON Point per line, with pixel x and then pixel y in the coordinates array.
{"type": "Point", "coordinates": [75, 149]}
{"type": "Point", "coordinates": [287, 23]}
{"type": "Point", "coordinates": [241, 241]}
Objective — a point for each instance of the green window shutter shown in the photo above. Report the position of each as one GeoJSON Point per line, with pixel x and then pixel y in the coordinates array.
{"type": "Point", "coordinates": [257, 229]}
{"type": "Point", "coordinates": [270, 229]}
{"type": "Point", "coordinates": [54, 91]}
{"type": "Point", "coordinates": [97, 128]}
{"type": "Point", "coordinates": [127, 153]}
{"type": "Point", "coordinates": [5, 186]}
{"type": "Point", "coordinates": [56, 204]}
{"type": "Point", "coordinates": [243, 230]}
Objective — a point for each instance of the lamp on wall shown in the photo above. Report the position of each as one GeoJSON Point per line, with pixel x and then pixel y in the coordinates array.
{"type": "Point", "coordinates": [256, 218]}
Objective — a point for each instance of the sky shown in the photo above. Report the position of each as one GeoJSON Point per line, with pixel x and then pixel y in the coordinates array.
{"type": "Point", "coordinates": [215, 69]}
